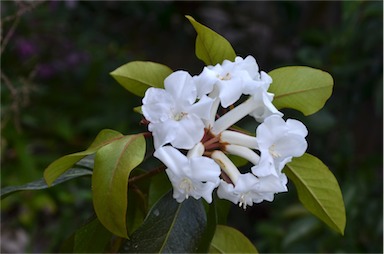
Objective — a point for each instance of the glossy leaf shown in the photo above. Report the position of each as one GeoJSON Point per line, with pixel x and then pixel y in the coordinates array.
{"type": "Point", "coordinates": [209, 229]}
{"type": "Point", "coordinates": [41, 184]}
{"type": "Point", "coordinates": [59, 166]}
{"type": "Point", "coordinates": [318, 190]}
{"type": "Point", "coordinates": [302, 88]}
{"type": "Point", "coordinates": [92, 237]}
{"type": "Point", "coordinates": [211, 47]}
{"type": "Point", "coordinates": [170, 227]}
{"type": "Point", "coordinates": [113, 164]}
{"type": "Point", "coordinates": [138, 200]}
{"type": "Point", "coordinates": [160, 185]}
{"type": "Point", "coordinates": [138, 76]}
{"type": "Point", "coordinates": [230, 240]}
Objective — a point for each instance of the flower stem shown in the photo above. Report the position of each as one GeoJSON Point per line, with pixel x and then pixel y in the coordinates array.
{"type": "Point", "coordinates": [233, 116]}
{"type": "Point", "coordinates": [243, 152]}
{"type": "Point", "coordinates": [146, 175]}
{"type": "Point", "coordinates": [237, 138]}
{"type": "Point", "coordinates": [226, 165]}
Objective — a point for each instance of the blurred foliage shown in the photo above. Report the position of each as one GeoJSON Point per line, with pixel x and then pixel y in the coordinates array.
{"type": "Point", "coordinates": [57, 94]}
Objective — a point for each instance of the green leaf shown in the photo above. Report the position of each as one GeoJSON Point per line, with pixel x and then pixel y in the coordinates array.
{"type": "Point", "coordinates": [92, 237]}
{"type": "Point", "coordinates": [318, 190]}
{"type": "Point", "coordinates": [59, 166]}
{"type": "Point", "coordinates": [230, 240]}
{"type": "Point", "coordinates": [211, 47]}
{"type": "Point", "coordinates": [222, 208]}
{"type": "Point", "coordinates": [138, 76]}
{"type": "Point", "coordinates": [210, 228]}
{"type": "Point", "coordinates": [138, 110]}
{"type": "Point", "coordinates": [41, 184]}
{"type": "Point", "coordinates": [170, 227]}
{"type": "Point", "coordinates": [302, 88]}
{"type": "Point", "coordinates": [159, 186]}
{"type": "Point", "coordinates": [138, 200]}
{"type": "Point", "coordinates": [113, 164]}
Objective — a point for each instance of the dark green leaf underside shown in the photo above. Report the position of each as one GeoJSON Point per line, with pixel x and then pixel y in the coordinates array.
{"type": "Point", "coordinates": [41, 184]}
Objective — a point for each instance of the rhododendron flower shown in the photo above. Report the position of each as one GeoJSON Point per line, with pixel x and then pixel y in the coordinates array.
{"type": "Point", "coordinates": [249, 189]}
{"type": "Point", "coordinates": [246, 189]}
{"type": "Point", "coordinates": [174, 115]}
{"type": "Point", "coordinates": [232, 79]}
{"type": "Point", "coordinates": [196, 176]}
{"type": "Point", "coordinates": [279, 141]}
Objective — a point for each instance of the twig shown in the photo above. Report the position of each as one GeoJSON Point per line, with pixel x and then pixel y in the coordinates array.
{"type": "Point", "coordinates": [145, 175]}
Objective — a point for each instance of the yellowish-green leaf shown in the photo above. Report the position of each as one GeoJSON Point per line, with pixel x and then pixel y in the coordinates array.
{"type": "Point", "coordinates": [113, 165]}
{"type": "Point", "coordinates": [318, 190]}
{"type": "Point", "coordinates": [302, 88]}
{"type": "Point", "coordinates": [211, 47]}
{"type": "Point", "coordinates": [59, 166]}
{"type": "Point", "coordinates": [229, 240]}
{"type": "Point", "coordinates": [138, 76]}
{"type": "Point", "coordinates": [138, 110]}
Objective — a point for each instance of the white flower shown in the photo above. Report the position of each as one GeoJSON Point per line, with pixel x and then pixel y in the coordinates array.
{"type": "Point", "coordinates": [232, 79]}
{"type": "Point", "coordinates": [196, 176]}
{"type": "Point", "coordinates": [249, 189]}
{"type": "Point", "coordinates": [246, 189]}
{"type": "Point", "coordinates": [174, 115]}
{"type": "Point", "coordinates": [263, 106]}
{"type": "Point", "coordinates": [279, 141]}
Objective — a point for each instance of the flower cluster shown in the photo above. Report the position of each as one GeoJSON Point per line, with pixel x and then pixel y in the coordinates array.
{"type": "Point", "coordinates": [196, 144]}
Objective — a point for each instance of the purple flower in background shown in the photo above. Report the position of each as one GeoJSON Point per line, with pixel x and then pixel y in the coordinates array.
{"type": "Point", "coordinates": [25, 48]}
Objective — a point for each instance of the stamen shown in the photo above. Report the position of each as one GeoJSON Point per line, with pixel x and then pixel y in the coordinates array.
{"type": "Point", "coordinates": [187, 186]}
{"type": "Point", "coordinates": [179, 116]}
{"type": "Point", "coordinates": [273, 152]}
{"type": "Point", "coordinates": [226, 77]}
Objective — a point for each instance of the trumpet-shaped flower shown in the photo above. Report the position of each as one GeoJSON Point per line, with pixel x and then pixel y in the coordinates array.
{"type": "Point", "coordinates": [196, 176]}
{"type": "Point", "coordinates": [279, 141]}
{"type": "Point", "coordinates": [232, 79]}
{"type": "Point", "coordinates": [174, 115]}
{"type": "Point", "coordinates": [263, 104]}
{"type": "Point", "coordinates": [249, 189]}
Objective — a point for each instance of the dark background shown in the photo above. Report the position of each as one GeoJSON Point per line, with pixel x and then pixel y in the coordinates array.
{"type": "Point", "coordinates": [57, 94]}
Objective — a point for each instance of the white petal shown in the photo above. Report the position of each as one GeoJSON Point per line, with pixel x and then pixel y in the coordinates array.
{"type": "Point", "coordinates": [156, 105]}
{"type": "Point", "coordinates": [291, 145]}
{"type": "Point", "coordinates": [182, 87]}
{"type": "Point", "coordinates": [267, 132]}
{"type": "Point", "coordinates": [267, 80]}
{"type": "Point", "coordinates": [297, 127]}
{"type": "Point", "coordinates": [205, 82]}
{"type": "Point", "coordinates": [161, 134]}
{"type": "Point", "coordinates": [202, 108]}
{"type": "Point", "coordinates": [264, 108]}
{"type": "Point", "coordinates": [188, 132]}
{"type": "Point", "coordinates": [266, 165]}
{"type": "Point", "coordinates": [172, 158]}
{"type": "Point", "coordinates": [271, 183]}
{"type": "Point", "coordinates": [205, 169]}
{"type": "Point", "coordinates": [206, 190]}
{"type": "Point", "coordinates": [230, 91]}
{"type": "Point", "coordinates": [248, 64]}
{"type": "Point", "coordinates": [226, 191]}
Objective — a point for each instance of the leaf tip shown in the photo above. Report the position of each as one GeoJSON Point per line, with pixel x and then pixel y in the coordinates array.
{"type": "Point", "coordinates": [190, 18]}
